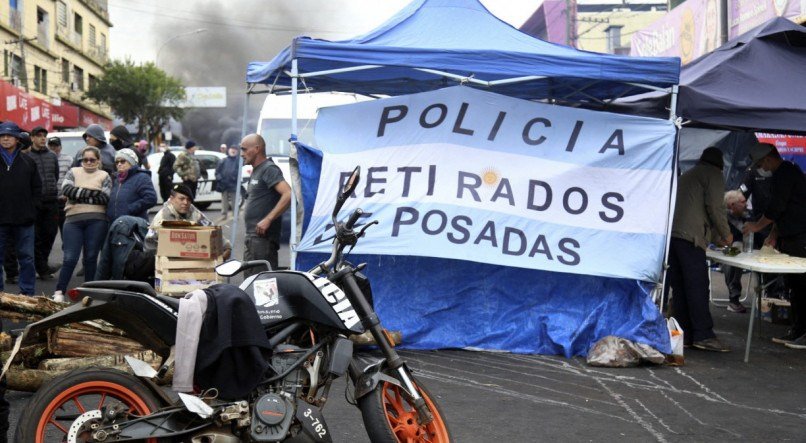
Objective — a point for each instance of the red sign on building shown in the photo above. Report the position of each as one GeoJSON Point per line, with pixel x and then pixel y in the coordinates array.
{"type": "Point", "coordinates": [28, 111]}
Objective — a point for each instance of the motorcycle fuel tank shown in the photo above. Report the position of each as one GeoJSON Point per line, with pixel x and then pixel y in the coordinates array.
{"type": "Point", "coordinates": [286, 295]}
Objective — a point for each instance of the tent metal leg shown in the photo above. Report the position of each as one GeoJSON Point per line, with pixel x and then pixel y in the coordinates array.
{"type": "Point", "coordinates": [236, 210]}
{"type": "Point", "coordinates": [293, 237]}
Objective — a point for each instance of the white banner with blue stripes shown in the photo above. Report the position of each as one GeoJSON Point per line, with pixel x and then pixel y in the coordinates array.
{"type": "Point", "coordinates": [465, 174]}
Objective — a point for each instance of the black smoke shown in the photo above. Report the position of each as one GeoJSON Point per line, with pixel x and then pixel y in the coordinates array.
{"type": "Point", "coordinates": [236, 33]}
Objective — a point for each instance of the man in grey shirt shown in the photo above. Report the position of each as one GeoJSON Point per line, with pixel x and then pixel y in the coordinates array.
{"type": "Point", "coordinates": [268, 196]}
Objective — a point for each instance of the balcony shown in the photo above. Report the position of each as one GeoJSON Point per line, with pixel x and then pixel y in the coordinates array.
{"type": "Point", "coordinates": [43, 35]}
{"type": "Point", "coordinates": [98, 53]}
{"type": "Point", "coordinates": [15, 19]}
{"type": "Point", "coordinates": [70, 38]}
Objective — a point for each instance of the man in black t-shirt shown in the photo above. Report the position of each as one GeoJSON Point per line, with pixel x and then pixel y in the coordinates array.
{"type": "Point", "coordinates": [787, 213]}
{"type": "Point", "coordinates": [268, 197]}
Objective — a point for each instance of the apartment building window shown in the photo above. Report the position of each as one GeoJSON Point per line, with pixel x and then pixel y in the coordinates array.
{"type": "Point", "coordinates": [40, 80]}
{"type": "Point", "coordinates": [15, 14]}
{"type": "Point", "coordinates": [103, 42]}
{"type": "Point", "coordinates": [91, 80]}
{"type": "Point", "coordinates": [43, 27]}
{"type": "Point", "coordinates": [613, 34]}
{"type": "Point", "coordinates": [61, 14]}
{"type": "Point", "coordinates": [92, 36]}
{"type": "Point", "coordinates": [78, 78]}
{"type": "Point", "coordinates": [65, 71]}
{"type": "Point", "coordinates": [78, 24]}
{"type": "Point", "coordinates": [16, 66]}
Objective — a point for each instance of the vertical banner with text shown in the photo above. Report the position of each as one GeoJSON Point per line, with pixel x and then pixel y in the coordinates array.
{"type": "Point", "coordinates": [465, 174]}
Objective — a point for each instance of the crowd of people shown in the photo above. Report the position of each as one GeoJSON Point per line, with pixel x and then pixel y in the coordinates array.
{"type": "Point", "coordinates": [106, 190]}
{"type": "Point", "coordinates": [705, 213]}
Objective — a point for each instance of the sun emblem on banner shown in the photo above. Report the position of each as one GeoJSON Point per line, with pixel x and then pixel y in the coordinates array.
{"type": "Point", "coordinates": [490, 176]}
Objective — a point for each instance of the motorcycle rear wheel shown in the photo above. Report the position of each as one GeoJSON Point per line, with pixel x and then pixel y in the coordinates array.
{"type": "Point", "coordinates": [389, 417]}
{"type": "Point", "coordinates": [55, 406]}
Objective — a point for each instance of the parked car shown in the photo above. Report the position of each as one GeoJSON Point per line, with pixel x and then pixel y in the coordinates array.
{"type": "Point", "coordinates": [205, 191]}
{"type": "Point", "coordinates": [72, 141]}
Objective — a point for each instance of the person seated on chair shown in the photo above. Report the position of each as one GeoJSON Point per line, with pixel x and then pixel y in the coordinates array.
{"type": "Point", "coordinates": [179, 207]}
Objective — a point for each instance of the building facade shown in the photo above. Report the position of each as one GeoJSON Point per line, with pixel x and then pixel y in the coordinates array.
{"type": "Point", "coordinates": [593, 25]}
{"type": "Point", "coordinates": [53, 50]}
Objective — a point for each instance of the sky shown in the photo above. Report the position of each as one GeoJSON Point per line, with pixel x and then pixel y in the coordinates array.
{"type": "Point", "coordinates": [141, 27]}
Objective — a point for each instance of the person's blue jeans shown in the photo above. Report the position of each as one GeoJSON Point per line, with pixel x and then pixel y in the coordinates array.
{"type": "Point", "coordinates": [24, 247]}
{"type": "Point", "coordinates": [88, 235]}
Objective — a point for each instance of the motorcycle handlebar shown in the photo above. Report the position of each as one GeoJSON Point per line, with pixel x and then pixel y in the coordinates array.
{"type": "Point", "coordinates": [353, 218]}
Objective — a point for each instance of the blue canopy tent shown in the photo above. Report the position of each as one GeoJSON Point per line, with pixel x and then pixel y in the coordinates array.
{"type": "Point", "coordinates": [432, 44]}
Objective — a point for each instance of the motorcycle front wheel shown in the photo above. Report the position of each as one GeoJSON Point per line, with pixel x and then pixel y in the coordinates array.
{"type": "Point", "coordinates": [50, 413]}
{"type": "Point", "coordinates": [389, 417]}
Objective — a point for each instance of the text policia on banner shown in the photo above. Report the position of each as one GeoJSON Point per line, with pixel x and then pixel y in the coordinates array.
{"type": "Point", "coordinates": [466, 174]}
{"type": "Point", "coordinates": [435, 115]}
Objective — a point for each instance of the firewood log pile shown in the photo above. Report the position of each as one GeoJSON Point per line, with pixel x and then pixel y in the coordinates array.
{"type": "Point", "coordinates": [64, 348]}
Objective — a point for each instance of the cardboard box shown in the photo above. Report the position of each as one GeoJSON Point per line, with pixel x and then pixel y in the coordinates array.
{"type": "Point", "coordinates": [180, 240]}
{"type": "Point", "coordinates": [775, 310]}
{"type": "Point", "coordinates": [176, 276]}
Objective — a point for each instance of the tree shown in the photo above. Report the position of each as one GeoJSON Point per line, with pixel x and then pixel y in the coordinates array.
{"type": "Point", "coordinates": [139, 93]}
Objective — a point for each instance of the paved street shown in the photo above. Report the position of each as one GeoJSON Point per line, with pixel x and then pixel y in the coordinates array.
{"type": "Point", "coordinates": [511, 398]}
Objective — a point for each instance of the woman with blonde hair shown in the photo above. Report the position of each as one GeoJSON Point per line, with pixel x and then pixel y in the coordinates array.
{"type": "Point", "coordinates": [87, 188]}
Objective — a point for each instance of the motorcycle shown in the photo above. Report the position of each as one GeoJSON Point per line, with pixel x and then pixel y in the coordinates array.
{"type": "Point", "coordinates": [308, 322]}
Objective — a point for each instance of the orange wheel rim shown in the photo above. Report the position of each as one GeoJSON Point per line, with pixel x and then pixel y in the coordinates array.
{"type": "Point", "coordinates": [402, 417]}
{"type": "Point", "coordinates": [101, 393]}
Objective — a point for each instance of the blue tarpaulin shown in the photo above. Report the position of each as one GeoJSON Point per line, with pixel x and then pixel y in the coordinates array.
{"type": "Point", "coordinates": [443, 303]}
{"type": "Point", "coordinates": [462, 38]}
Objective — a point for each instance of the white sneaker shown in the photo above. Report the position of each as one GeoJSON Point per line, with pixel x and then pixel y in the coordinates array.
{"type": "Point", "coordinates": [58, 297]}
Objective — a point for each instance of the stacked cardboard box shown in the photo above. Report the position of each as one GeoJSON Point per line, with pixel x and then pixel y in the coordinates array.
{"type": "Point", "coordinates": [186, 257]}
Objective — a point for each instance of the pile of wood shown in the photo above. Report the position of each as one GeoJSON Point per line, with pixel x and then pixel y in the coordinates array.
{"type": "Point", "coordinates": [63, 348]}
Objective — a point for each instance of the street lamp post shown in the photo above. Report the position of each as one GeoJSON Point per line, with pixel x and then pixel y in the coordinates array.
{"type": "Point", "coordinates": [162, 46]}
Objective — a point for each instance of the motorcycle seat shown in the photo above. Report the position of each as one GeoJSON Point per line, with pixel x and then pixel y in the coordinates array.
{"type": "Point", "coordinates": [133, 286]}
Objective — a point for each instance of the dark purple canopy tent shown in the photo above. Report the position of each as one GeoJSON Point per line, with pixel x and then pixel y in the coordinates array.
{"type": "Point", "coordinates": [755, 82]}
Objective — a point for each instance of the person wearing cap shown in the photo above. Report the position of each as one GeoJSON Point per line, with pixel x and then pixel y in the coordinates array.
{"type": "Point", "coordinates": [65, 163]}
{"type": "Point", "coordinates": [178, 207]}
{"type": "Point", "coordinates": [786, 213]}
{"type": "Point", "coordinates": [699, 210]}
{"type": "Point", "coordinates": [188, 167]}
{"type": "Point", "coordinates": [20, 191]}
{"type": "Point", "coordinates": [46, 225]}
{"type": "Point", "coordinates": [142, 152]}
{"type": "Point", "coordinates": [94, 136]}
{"type": "Point", "coordinates": [87, 190]}
{"type": "Point", "coordinates": [132, 191]}
{"type": "Point", "coordinates": [10, 263]}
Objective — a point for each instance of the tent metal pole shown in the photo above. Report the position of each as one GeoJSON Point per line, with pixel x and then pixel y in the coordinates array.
{"type": "Point", "coordinates": [653, 88]}
{"type": "Point", "coordinates": [507, 81]}
{"type": "Point", "coordinates": [460, 78]}
{"type": "Point", "coordinates": [672, 199]}
{"type": "Point", "coordinates": [329, 71]}
{"type": "Point", "coordinates": [293, 236]}
{"type": "Point", "coordinates": [236, 211]}
{"type": "Point", "coordinates": [673, 107]}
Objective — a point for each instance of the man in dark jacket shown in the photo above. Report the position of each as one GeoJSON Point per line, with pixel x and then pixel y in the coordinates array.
{"type": "Point", "coordinates": [46, 225]}
{"type": "Point", "coordinates": [166, 172]}
{"type": "Point", "coordinates": [786, 212]}
{"type": "Point", "coordinates": [226, 176]}
{"type": "Point", "coordinates": [21, 191]}
{"type": "Point", "coordinates": [698, 210]}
